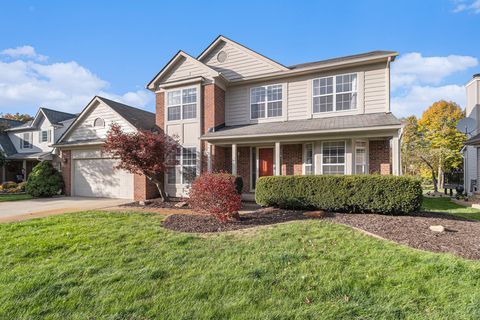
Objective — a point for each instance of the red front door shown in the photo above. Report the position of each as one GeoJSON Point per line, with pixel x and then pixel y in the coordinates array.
{"type": "Point", "coordinates": [265, 162]}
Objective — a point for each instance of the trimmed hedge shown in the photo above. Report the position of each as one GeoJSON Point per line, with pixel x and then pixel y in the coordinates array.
{"type": "Point", "coordinates": [351, 193]}
{"type": "Point", "coordinates": [44, 181]}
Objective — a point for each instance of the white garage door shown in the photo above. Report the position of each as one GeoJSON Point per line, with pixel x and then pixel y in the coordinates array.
{"type": "Point", "coordinates": [99, 178]}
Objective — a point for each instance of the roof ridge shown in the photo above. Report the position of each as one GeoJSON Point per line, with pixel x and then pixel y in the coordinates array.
{"type": "Point", "coordinates": [125, 105]}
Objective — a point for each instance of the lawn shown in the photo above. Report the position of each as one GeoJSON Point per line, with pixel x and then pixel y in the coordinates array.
{"type": "Point", "coordinates": [97, 265]}
{"type": "Point", "coordinates": [14, 197]}
{"type": "Point", "coordinates": [450, 207]}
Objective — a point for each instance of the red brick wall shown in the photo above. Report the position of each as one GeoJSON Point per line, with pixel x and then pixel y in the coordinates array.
{"type": "Point", "coordinates": [144, 189]}
{"type": "Point", "coordinates": [243, 166]}
{"type": "Point", "coordinates": [66, 170]}
{"type": "Point", "coordinates": [292, 159]}
{"type": "Point", "coordinates": [379, 157]}
{"type": "Point", "coordinates": [212, 116]}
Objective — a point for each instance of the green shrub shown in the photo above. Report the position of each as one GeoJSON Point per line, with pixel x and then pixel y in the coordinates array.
{"type": "Point", "coordinates": [352, 193]}
{"type": "Point", "coordinates": [44, 181]}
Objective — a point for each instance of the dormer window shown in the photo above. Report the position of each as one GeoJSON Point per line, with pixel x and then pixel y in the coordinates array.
{"type": "Point", "coordinates": [99, 122]}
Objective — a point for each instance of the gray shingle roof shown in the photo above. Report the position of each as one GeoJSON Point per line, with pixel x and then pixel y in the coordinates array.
{"type": "Point", "coordinates": [6, 144]}
{"type": "Point", "coordinates": [339, 123]}
{"type": "Point", "coordinates": [31, 155]}
{"type": "Point", "coordinates": [9, 123]}
{"type": "Point", "coordinates": [141, 119]}
{"type": "Point", "coordinates": [55, 117]}
{"type": "Point", "coordinates": [473, 140]}
{"type": "Point", "coordinates": [370, 54]}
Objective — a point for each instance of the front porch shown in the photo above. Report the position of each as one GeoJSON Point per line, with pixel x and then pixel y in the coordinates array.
{"type": "Point", "coordinates": [19, 165]}
{"type": "Point", "coordinates": [315, 155]}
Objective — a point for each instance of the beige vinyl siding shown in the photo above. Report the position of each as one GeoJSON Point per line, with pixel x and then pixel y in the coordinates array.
{"type": "Point", "coordinates": [375, 89]}
{"type": "Point", "coordinates": [371, 95]}
{"type": "Point", "coordinates": [185, 68]}
{"type": "Point", "coordinates": [85, 130]}
{"type": "Point", "coordinates": [240, 63]}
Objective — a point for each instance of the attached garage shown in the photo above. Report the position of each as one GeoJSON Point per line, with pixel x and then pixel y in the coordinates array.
{"type": "Point", "coordinates": [95, 176]}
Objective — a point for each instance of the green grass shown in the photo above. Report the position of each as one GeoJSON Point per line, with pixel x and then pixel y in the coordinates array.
{"type": "Point", "coordinates": [14, 197]}
{"type": "Point", "coordinates": [450, 207]}
{"type": "Point", "coordinates": [96, 265]}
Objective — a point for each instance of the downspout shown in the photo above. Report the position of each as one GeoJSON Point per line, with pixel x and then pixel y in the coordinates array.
{"type": "Point", "coordinates": [387, 70]}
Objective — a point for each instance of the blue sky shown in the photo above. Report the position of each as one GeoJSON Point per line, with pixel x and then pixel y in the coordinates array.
{"type": "Point", "coordinates": [59, 54]}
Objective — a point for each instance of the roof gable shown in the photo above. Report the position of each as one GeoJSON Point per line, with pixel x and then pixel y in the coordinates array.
{"type": "Point", "coordinates": [240, 61]}
{"type": "Point", "coordinates": [181, 66]}
{"type": "Point", "coordinates": [131, 119]}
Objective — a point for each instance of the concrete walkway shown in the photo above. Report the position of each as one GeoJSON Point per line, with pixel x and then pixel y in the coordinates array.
{"type": "Point", "coordinates": [35, 208]}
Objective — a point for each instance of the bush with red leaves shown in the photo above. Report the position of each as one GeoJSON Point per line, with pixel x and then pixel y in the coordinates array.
{"type": "Point", "coordinates": [215, 194]}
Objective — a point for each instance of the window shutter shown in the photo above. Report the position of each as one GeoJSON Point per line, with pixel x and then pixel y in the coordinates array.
{"type": "Point", "coordinates": [49, 135]}
{"type": "Point", "coordinates": [21, 143]}
{"type": "Point", "coordinates": [40, 136]}
{"type": "Point", "coordinates": [30, 144]}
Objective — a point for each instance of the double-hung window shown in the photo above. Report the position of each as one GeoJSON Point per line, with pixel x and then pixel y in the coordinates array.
{"type": "Point", "coordinates": [266, 101]}
{"type": "Point", "coordinates": [335, 93]}
{"type": "Point", "coordinates": [185, 171]}
{"type": "Point", "coordinates": [333, 157]}
{"type": "Point", "coordinates": [308, 159]}
{"type": "Point", "coordinates": [45, 135]}
{"type": "Point", "coordinates": [361, 157]}
{"type": "Point", "coordinates": [26, 141]}
{"type": "Point", "coordinates": [182, 104]}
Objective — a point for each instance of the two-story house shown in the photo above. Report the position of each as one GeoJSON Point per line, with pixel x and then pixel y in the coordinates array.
{"type": "Point", "coordinates": [31, 142]}
{"type": "Point", "coordinates": [236, 110]}
{"type": "Point", "coordinates": [233, 109]}
{"type": "Point", "coordinates": [471, 152]}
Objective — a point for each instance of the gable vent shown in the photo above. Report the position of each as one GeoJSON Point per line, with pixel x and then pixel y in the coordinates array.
{"type": "Point", "coordinates": [222, 56]}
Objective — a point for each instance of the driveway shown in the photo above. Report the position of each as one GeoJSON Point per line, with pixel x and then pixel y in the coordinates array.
{"type": "Point", "coordinates": [27, 209]}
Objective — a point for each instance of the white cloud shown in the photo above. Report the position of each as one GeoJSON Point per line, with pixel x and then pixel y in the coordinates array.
{"type": "Point", "coordinates": [419, 81]}
{"type": "Point", "coordinates": [24, 52]}
{"type": "Point", "coordinates": [414, 69]}
{"type": "Point", "coordinates": [473, 6]}
{"type": "Point", "coordinates": [64, 86]}
{"type": "Point", "coordinates": [418, 98]}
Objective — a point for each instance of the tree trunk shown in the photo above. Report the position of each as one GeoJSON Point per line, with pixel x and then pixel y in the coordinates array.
{"type": "Point", "coordinates": [440, 176]}
{"type": "Point", "coordinates": [435, 183]}
{"type": "Point", "coordinates": [158, 183]}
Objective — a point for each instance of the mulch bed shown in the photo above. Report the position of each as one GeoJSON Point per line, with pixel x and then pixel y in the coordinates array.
{"type": "Point", "coordinates": [461, 237]}
{"type": "Point", "coordinates": [206, 223]}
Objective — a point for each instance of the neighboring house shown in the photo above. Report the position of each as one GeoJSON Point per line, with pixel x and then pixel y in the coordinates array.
{"type": "Point", "coordinates": [236, 110]}
{"type": "Point", "coordinates": [32, 142]}
{"type": "Point", "coordinates": [86, 169]}
{"type": "Point", "coordinates": [471, 152]}
{"type": "Point", "coordinates": [6, 146]}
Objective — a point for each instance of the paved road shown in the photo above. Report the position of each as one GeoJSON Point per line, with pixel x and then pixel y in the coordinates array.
{"type": "Point", "coordinates": [26, 209]}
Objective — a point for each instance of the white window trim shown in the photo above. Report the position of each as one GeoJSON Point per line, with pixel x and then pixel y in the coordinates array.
{"type": "Point", "coordinates": [304, 158]}
{"type": "Point", "coordinates": [334, 94]}
{"type": "Point", "coordinates": [180, 165]}
{"type": "Point", "coordinates": [336, 164]}
{"type": "Point", "coordinates": [29, 141]}
{"type": "Point", "coordinates": [367, 169]}
{"type": "Point", "coordinates": [197, 104]}
{"type": "Point", "coordinates": [267, 118]}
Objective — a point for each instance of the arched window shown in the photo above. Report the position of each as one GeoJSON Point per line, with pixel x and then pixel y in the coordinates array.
{"type": "Point", "coordinates": [99, 122]}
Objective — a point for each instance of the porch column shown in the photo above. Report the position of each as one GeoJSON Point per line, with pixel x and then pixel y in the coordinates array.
{"type": "Point", "coordinates": [209, 157]}
{"type": "Point", "coordinates": [396, 170]}
{"type": "Point", "coordinates": [234, 159]}
{"type": "Point", "coordinates": [278, 168]}
{"type": "Point", "coordinates": [24, 166]}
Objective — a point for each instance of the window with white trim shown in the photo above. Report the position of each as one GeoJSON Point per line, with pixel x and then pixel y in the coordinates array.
{"type": "Point", "coordinates": [266, 101]}
{"type": "Point", "coordinates": [335, 93]}
{"type": "Point", "coordinates": [361, 157]}
{"type": "Point", "coordinates": [333, 157]}
{"type": "Point", "coordinates": [44, 136]}
{"type": "Point", "coordinates": [26, 141]}
{"type": "Point", "coordinates": [186, 169]}
{"type": "Point", "coordinates": [308, 159]}
{"type": "Point", "coordinates": [182, 104]}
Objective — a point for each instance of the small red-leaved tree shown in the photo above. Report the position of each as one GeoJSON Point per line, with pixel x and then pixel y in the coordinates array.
{"type": "Point", "coordinates": [143, 152]}
{"type": "Point", "coordinates": [215, 194]}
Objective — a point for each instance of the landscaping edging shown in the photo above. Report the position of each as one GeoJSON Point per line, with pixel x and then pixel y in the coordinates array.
{"type": "Point", "coordinates": [460, 237]}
